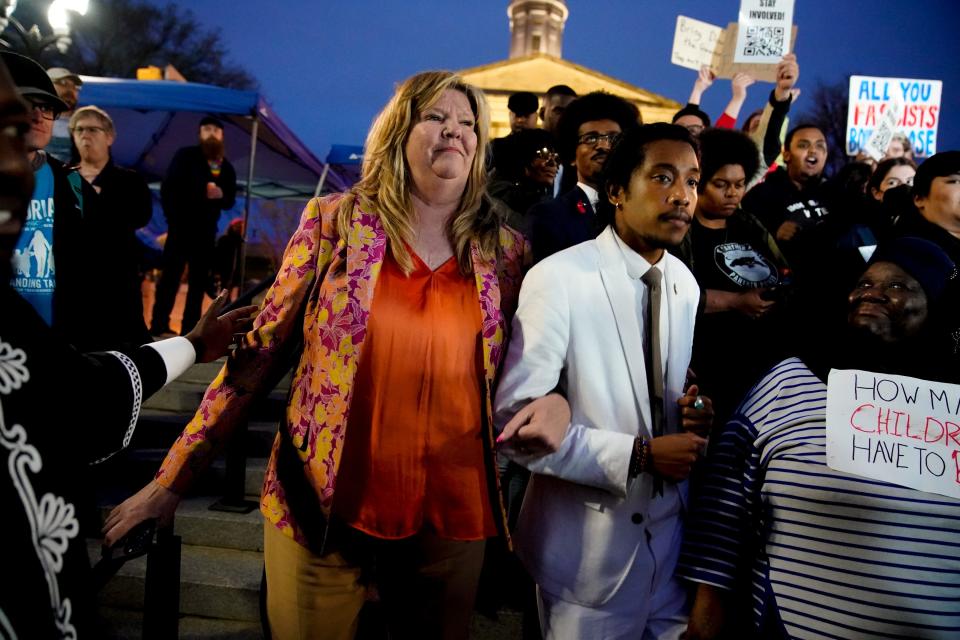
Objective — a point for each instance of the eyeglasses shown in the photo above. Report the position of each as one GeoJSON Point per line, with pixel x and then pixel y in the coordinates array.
{"type": "Point", "coordinates": [593, 138]}
{"type": "Point", "coordinates": [47, 112]}
{"type": "Point", "coordinates": [82, 130]}
{"type": "Point", "coordinates": [548, 157]}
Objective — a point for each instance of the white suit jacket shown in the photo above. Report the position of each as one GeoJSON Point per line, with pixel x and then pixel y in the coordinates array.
{"type": "Point", "coordinates": [578, 325]}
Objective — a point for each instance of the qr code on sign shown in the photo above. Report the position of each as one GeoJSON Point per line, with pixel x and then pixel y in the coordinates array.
{"type": "Point", "coordinates": [764, 41]}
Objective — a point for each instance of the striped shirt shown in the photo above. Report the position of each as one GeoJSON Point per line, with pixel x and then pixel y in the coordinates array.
{"type": "Point", "coordinates": [828, 554]}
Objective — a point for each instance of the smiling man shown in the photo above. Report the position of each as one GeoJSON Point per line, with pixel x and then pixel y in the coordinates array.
{"type": "Point", "coordinates": [609, 323]}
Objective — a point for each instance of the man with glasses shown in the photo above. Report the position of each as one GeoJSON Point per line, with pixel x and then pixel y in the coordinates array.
{"type": "Point", "coordinates": [119, 205]}
{"type": "Point", "coordinates": [587, 131]}
{"type": "Point", "coordinates": [67, 84]}
{"type": "Point", "coordinates": [56, 277]}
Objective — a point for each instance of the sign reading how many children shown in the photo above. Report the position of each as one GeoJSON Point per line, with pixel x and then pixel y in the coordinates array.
{"type": "Point", "coordinates": [916, 103]}
{"type": "Point", "coordinates": [895, 429]}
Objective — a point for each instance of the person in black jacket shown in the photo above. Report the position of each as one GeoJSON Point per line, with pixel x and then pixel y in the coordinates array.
{"type": "Point", "coordinates": [119, 205]}
{"type": "Point", "coordinates": [588, 129]}
{"type": "Point", "coordinates": [789, 202]}
{"type": "Point", "coordinates": [60, 410]}
{"type": "Point", "coordinates": [200, 183]}
{"type": "Point", "coordinates": [935, 215]}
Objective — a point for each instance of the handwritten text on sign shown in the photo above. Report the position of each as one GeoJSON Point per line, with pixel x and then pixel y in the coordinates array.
{"type": "Point", "coordinates": [695, 43]}
{"type": "Point", "coordinates": [919, 109]}
{"type": "Point", "coordinates": [897, 429]}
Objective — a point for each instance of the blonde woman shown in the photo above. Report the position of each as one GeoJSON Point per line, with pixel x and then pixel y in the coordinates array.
{"type": "Point", "coordinates": [398, 296]}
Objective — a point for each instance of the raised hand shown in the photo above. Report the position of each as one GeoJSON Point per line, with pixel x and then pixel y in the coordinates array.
{"type": "Point", "coordinates": [213, 334]}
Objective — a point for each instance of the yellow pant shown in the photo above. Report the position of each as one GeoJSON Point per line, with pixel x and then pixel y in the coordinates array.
{"type": "Point", "coordinates": [427, 587]}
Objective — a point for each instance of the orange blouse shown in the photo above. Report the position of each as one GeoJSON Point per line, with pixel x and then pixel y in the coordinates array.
{"type": "Point", "coordinates": [414, 455]}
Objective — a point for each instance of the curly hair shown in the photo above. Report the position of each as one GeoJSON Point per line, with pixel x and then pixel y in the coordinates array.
{"type": "Point", "coordinates": [720, 147]}
{"type": "Point", "coordinates": [628, 155]}
{"type": "Point", "coordinates": [597, 105]}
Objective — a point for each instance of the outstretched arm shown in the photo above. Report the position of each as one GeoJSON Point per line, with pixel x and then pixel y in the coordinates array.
{"type": "Point", "coordinates": [739, 85]}
{"type": "Point", "coordinates": [705, 78]}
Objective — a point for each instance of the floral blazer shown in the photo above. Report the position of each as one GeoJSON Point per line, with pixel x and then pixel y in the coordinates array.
{"type": "Point", "coordinates": [322, 297]}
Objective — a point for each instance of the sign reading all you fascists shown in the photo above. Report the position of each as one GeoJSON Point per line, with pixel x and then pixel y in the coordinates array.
{"type": "Point", "coordinates": [897, 429]}
{"type": "Point", "coordinates": [915, 102]}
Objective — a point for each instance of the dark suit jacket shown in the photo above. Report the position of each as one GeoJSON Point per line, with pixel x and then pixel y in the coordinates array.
{"type": "Point", "coordinates": [562, 223]}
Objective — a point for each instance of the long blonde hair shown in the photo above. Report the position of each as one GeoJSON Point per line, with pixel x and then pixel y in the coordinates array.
{"type": "Point", "coordinates": [384, 185]}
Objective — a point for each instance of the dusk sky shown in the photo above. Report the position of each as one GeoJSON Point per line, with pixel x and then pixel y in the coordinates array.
{"type": "Point", "coordinates": [328, 67]}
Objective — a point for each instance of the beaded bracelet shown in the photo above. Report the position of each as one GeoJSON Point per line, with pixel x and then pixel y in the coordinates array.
{"type": "Point", "coordinates": [639, 458]}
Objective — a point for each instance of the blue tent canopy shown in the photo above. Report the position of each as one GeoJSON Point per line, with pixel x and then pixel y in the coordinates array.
{"type": "Point", "coordinates": [155, 118]}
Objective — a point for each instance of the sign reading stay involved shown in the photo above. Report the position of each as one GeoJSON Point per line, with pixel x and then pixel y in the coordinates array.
{"type": "Point", "coordinates": [764, 31]}
{"type": "Point", "coordinates": [897, 429]}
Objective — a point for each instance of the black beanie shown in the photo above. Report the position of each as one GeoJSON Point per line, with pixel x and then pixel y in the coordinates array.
{"type": "Point", "coordinates": [922, 259]}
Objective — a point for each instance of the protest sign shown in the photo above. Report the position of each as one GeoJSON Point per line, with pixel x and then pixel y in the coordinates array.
{"type": "Point", "coordinates": [919, 111]}
{"type": "Point", "coordinates": [696, 43]}
{"type": "Point", "coordinates": [762, 33]}
{"type": "Point", "coordinates": [901, 430]}
{"type": "Point", "coordinates": [727, 68]}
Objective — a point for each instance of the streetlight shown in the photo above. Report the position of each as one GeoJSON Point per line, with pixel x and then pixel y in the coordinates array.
{"type": "Point", "coordinates": [58, 15]}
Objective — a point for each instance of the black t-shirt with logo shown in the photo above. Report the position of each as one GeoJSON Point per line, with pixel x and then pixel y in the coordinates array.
{"type": "Point", "coordinates": [727, 261]}
{"type": "Point", "coordinates": [731, 351]}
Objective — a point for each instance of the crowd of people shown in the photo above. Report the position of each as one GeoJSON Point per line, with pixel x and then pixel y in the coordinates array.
{"type": "Point", "coordinates": [598, 346]}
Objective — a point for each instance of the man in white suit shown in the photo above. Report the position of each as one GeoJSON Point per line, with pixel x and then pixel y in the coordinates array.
{"type": "Point", "coordinates": [601, 522]}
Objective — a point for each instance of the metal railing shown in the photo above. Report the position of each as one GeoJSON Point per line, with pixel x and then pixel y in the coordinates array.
{"type": "Point", "coordinates": [161, 588]}
{"type": "Point", "coordinates": [234, 494]}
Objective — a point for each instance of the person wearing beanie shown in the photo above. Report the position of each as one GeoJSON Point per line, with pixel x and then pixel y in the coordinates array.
{"type": "Point", "coordinates": [935, 214]}
{"type": "Point", "coordinates": [523, 111]}
{"type": "Point", "coordinates": [200, 183]}
{"type": "Point", "coordinates": [51, 271]}
{"type": "Point", "coordinates": [819, 544]}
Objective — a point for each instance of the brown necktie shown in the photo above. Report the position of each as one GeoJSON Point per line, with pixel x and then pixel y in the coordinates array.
{"type": "Point", "coordinates": [651, 349]}
{"type": "Point", "coordinates": [652, 358]}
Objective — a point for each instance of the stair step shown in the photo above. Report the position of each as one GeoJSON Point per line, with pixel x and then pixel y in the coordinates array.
{"type": "Point", "coordinates": [160, 428]}
{"type": "Point", "coordinates": [185, 397]}
{"type": "Point", "coordinates": [214, 582]}
{"type": "Point", "coordinates": [123, 624]}
{"type": "Point", "coordinates": [197, 525]}
{"type": "Point", "coordinates": [117, 479]}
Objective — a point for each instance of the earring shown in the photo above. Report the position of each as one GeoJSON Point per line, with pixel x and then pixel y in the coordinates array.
{"type": "Point", "coordinates": [619, 205]}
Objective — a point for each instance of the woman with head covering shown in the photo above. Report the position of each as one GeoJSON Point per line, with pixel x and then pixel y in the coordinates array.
{"type": "Point", "coordinates": [739, 266]}
{"type": "Point", "coordinates": [816, 552]}
{"type": "Point", "coordinates": [524, 177]}
{"type": "Point", "coordinates": [395, 298]}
